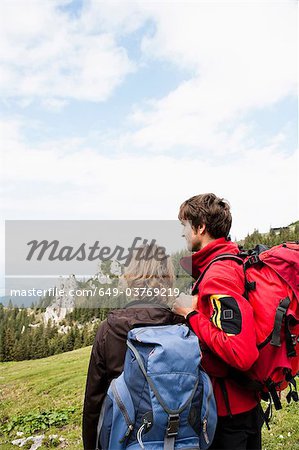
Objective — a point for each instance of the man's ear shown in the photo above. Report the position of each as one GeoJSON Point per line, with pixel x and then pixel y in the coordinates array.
{"type": "Point", "coordinates": [201, 229]}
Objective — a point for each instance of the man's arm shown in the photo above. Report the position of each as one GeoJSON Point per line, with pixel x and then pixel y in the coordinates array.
{"type": "Point", "coordinates": [229, 330]}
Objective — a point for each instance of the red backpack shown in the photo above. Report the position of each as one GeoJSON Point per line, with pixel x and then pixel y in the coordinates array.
{"type": "Point", "coordinates": [272, 288]}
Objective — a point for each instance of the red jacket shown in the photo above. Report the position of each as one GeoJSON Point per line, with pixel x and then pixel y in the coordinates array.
{"type": "Point", "coordinates": [224, 324]}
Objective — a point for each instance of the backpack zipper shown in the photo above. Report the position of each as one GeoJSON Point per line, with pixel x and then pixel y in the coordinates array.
{"type": "Point", "coordinates": [123, 411]}
{"type": "Point", "coordinates": [204, 430]}
{"type": "Point", "coordinates": [205, 419]}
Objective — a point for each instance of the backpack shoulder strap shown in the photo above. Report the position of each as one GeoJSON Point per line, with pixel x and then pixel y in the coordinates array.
{"type": "Point", "coordinates": [224, 256]}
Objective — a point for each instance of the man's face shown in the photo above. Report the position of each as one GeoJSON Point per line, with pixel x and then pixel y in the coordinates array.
{"type": "Point", "coordinates": [193, 238]}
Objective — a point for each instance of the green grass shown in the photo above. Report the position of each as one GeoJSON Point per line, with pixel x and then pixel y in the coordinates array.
{"type": "Point", "coordinates": [58, 382]}
{"type": "Point", "coordinates": [284, 428]}
{"type": "Point", "coordinates": [54, 383]}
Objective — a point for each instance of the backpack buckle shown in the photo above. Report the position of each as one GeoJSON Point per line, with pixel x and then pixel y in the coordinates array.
{"type": "Point", "coordinates": [294, 339]}
{"type": "Point", "coordinates": [173, 425]}
{"type": "Point", "coordinates": [253, 259]}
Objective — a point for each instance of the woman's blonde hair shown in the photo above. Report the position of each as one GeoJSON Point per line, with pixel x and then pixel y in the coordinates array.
{"type": "Point", "coordinates": [150, 268]}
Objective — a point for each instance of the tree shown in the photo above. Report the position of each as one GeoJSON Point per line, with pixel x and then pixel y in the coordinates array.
{"type": "Point", "coordinates": [69, 341]}
{"type": "Point", "coordinates": [9, 343]}
{"type": "Point", "coordinates": [78, 338]}
{"type": "Point", "coordinates": [10, 305]}
{"type": "Point", "coordinates": [20, 349]}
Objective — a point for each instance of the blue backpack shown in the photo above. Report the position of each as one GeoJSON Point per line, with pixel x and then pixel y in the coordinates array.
{"type": "Point", "coordinates": [163, 399]}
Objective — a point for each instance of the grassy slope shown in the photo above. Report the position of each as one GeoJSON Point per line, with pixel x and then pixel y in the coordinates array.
{"type": "Point", "coordinates": [58, 382]}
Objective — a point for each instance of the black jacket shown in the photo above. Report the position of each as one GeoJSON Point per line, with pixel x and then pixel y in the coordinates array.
{"type": "Point", "coordinates": [108, 355]}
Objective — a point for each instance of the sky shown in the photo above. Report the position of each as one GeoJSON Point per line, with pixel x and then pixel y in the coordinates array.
{"type": "Point", "coordinates": [122, 110]}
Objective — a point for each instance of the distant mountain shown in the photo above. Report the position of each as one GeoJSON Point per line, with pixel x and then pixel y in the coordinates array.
{"type": "Point", "coordinates": [18, 301]}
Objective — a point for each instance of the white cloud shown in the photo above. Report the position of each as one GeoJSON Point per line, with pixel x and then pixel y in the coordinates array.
{"type": "Point", "coordinates": [68, 180]}
{"type": "Point", "coordinates": [53, 104]}
{"type": "Point", "coordinates": [243, 58]}
{"type": "Point", "coordinates": [118, 17]}
{"type": "Point", "coordinates": [240, 57]}
{"type": "Point", "coordinates": [46, 54]}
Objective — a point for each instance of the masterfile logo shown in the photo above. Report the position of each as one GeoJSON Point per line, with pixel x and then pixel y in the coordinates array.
{"type": "Point", "coordinates": [54, 251]}
{"type": "Point", "coordinates": [57, 247]}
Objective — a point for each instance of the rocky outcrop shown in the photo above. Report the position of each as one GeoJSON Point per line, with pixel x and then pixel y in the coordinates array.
{"type": "Point", "coordinates": [63, 302]}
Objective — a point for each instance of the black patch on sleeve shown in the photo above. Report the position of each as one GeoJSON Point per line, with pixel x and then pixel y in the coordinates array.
{"type": "Point", "coordinates": [230, 318]}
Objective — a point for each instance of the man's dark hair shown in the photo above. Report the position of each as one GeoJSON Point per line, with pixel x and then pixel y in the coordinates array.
{"type": "Point", "coordinates": [210, 210]}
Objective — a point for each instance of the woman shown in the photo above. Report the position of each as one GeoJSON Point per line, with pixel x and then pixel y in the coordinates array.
{"type": "Point", "coordinates": [109, 348]}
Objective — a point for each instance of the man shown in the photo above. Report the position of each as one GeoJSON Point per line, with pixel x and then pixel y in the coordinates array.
{"type": "Point", "coordinates": [222, 319]}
